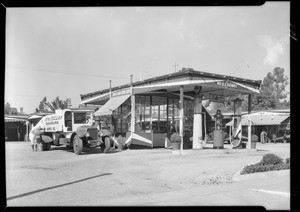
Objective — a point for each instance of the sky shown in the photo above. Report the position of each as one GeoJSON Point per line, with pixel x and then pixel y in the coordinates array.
{"type": "Point", "coordinates": [66, 52]}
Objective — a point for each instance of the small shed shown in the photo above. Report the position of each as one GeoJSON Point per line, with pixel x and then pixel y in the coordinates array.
{"type": "Point", "coordinates": [15, 127]}
{"type": "Point", "coordinates": [271, 122]}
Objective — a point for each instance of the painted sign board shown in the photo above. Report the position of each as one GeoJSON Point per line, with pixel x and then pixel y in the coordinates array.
{"type": "Point", "coordinates": [120, 92]}
{"type": "Point", "coordinates": [227, 84]}
{"type": "Point", "coordinates": [52, 123]}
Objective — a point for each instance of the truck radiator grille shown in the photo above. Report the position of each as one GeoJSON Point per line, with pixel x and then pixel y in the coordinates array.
{"type": "Point", "coordinates": [93, 133]}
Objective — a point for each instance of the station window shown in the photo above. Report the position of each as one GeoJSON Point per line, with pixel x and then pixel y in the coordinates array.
{"type": "Point", "coordinates": [142, 112]}
{"type": "Point", "coordinates": [159, 114]}
{"type": "Point", "coordinates": [122, 117]}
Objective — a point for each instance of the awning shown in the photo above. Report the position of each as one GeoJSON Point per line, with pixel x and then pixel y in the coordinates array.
{"type": "Point", "coordinates": [35, 117]}
{"type": "Point", "coordinates": [265, 119]}
{"type": "Point", "coordinates": [111, 105]}
{"type": "Point", "coordinates": [98, 100]}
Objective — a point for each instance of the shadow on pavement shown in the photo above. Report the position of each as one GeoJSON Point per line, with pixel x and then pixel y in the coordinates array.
{"type": "Point", "coordinates": [85, 150]}
{"type": "Point", "coordinates": [57, 186]}
{"type": "Point", "coordinates": [88, 151]}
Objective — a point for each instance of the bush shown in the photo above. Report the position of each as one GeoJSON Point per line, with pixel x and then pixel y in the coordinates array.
{"type": "Point", "coordinates": [269, 162]}
{"type": "Point", "coordinates": [271, 159]}
{"type": "Point", "coordinates": [281, 167]}
{"type": "Point", "coordinates": [287, 160]}
{"type": "Point", "coordinates": [255, 168]}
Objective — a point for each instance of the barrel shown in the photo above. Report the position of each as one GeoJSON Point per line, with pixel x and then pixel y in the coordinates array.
{"type": "Point", "coordinates": [218, 139]}
{"type": "Point", "coordinates": [40, 147]}
{"type": "Point", "coordinates": [254, 140]}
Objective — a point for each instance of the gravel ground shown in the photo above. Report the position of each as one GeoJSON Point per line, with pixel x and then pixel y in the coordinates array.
{"type": "Point", "coordinates": [59, 174]}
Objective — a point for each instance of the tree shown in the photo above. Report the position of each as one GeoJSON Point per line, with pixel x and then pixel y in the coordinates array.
{"type": "Point", "coordinates": [7, 108]}
{"type": "Point", "coordinates": [272, 90]}
{"type": "Point", "coordinates": [45, 106]}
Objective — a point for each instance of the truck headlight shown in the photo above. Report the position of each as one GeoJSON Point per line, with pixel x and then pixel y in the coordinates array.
{"type": "Point", "coordinates": [87, 134]}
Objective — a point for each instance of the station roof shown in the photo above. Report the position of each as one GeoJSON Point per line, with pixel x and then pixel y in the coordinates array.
{"type": "Point", "coordinates": [212, 84]}
{"type": "Point", "coordinates": [8, 119]}
{"type": "Point", "coordinates": [15, 118]}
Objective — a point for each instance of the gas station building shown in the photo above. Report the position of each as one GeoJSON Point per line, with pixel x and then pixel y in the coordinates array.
{"type": "Point", "coordinates": [143, 111]}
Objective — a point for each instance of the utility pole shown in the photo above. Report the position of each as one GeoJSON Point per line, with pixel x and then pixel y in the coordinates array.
{"type": "Point", "coordinates": [175, 66]}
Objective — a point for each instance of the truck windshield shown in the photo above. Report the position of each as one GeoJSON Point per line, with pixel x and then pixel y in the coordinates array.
{"type": "Point", "coordinates": [80, 118]}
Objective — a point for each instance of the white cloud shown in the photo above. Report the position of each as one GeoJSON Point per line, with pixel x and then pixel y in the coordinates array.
{"type": "Point", "coordinates": [187, 34]}
{"type": "Point", "coordinates": [180, 26]}
{"type": "Point", "coordinates": [194, 41]}
{"type": "Point", "coordinates": [274, 48]}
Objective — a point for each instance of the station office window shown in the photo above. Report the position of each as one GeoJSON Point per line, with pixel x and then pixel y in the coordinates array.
{"type": "Point", "coordinates": [142, 112]}
{"type": "Point", "coordinates": [122, 117]}
{"type": "Point", "coordinates": [173, 113]}
{"type": "Point", "coordinates": [159, 114]}
{"type": "Point", "coordinates": [162, 111]}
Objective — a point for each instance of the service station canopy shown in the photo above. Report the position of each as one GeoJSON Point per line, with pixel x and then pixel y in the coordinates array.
{"type": "Point", "coordinates": [214, 87]}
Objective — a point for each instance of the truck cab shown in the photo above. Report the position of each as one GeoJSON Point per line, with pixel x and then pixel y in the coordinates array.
{"type": "Point", "coordinates": [72, 128]}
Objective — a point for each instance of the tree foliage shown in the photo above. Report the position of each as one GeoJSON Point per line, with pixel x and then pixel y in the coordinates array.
{"type": "Point", "coordinates": [7, 108]}
{"type": "Point", "coordinates": [53, 105]}
{"type": "Point", "coordinates": [273, 94]}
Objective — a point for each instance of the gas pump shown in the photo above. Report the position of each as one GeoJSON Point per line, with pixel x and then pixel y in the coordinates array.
{"type": "Point", "coordinates": [218, 133]}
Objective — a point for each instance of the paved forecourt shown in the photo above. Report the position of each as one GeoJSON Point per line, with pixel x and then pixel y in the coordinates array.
{"type": "Point", "coordinates": [140, 177]}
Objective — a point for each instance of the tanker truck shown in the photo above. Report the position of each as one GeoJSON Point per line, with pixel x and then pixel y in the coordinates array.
{"type": "Point", "coordinates": [71, 128]}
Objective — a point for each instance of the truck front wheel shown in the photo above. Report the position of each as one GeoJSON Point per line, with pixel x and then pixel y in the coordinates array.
{"type": "Point", "coordinates": [77, 145]}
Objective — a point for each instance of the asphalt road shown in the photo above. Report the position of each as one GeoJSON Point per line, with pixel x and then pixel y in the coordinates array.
{"type": "Point", "coordinates": [141, 177]}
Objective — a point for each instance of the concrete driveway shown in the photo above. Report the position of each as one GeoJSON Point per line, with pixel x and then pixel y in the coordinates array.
{"type": "Point", "coordinates": [142, 177]}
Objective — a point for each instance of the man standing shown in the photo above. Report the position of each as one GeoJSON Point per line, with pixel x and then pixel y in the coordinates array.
{"type": "Point", "coordinates": [263, 136]}
{"type": "Point", "coordinates": [32, 139]}
{"type": "Point", "coordinates": [34, 133]}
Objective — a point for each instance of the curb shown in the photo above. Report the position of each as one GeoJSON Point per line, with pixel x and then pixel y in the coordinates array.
{"type": "Point", "coordinates": [218, 151]}
{"type": "Point", "coordinates": [259, 175]}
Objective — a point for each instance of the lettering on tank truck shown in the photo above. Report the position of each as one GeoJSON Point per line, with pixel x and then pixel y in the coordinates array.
{"type": "Point", "coordinates": [52, 123]}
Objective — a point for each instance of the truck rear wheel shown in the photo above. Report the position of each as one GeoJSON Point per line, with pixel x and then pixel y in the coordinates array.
{"type": "Point", "coordinates": [77, 145]}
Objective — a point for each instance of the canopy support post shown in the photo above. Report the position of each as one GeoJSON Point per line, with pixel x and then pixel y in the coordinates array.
{"type": "Point", "coordinates": [197, 126]}
{"type": "Point", "coordinates": [181, 118]}
{"type": "Point", "coordinates": [249, 122]}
